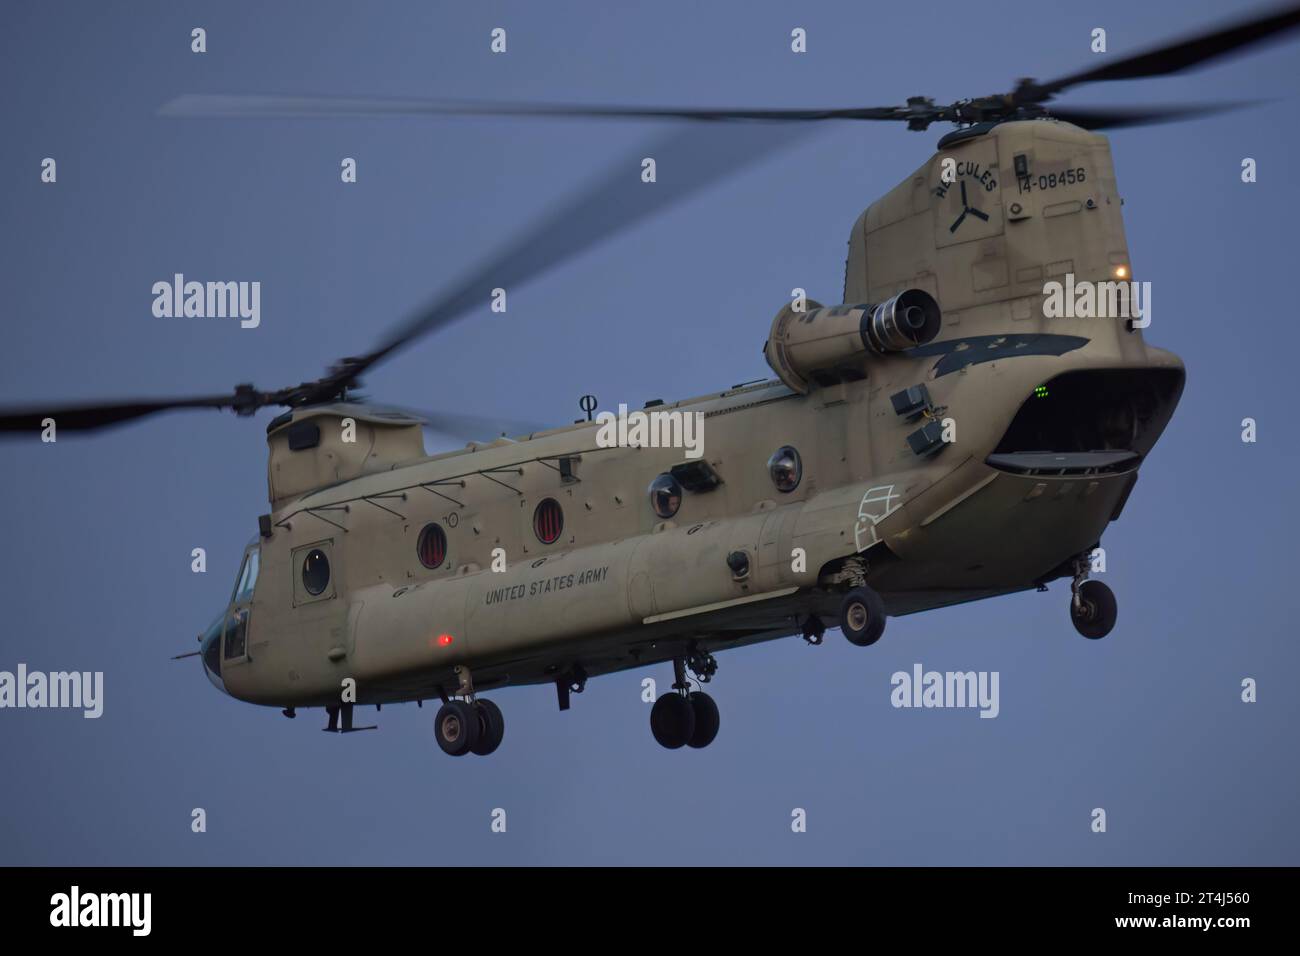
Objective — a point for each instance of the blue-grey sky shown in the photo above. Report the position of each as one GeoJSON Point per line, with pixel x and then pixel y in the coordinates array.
{"type": "Point", "coordinates": [95, 567]}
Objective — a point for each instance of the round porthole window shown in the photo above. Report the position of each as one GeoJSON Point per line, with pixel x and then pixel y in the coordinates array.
{"type": "Point", "coordinates": [432, 546]}
{"type": "Point", "coordinates": [315, 571]}
{"type": "Point", "coordinates": [665, 495]}
{"type": "Point", "coordinates": [786, 468]}
{"type": "Point", "coordinates": [548, 521]}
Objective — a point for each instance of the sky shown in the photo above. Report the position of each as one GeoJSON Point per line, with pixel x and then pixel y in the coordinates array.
{"type": "Point", "coordinates": [95, 573]}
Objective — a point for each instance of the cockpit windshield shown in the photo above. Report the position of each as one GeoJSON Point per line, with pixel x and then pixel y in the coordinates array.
{"type": "Point", "coordinates": [247, 577]}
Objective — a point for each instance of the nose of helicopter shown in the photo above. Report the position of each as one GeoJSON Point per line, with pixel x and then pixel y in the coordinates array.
{"type": "Point", "coordinates": [210, 653]}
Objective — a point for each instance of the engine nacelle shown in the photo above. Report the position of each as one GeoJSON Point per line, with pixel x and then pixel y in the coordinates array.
{"type": "Point", "coordinates": [826, 345]}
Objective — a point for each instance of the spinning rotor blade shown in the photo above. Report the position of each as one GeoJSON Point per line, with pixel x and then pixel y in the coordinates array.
{"type": "Point", "coordinates": [1173, 57]}
{"type": "Point", "coordinates": [91, 417]}
{"type": "Point", "coordinates": [1024, 102]}
{"type": "Point", "coordinates": [686, 162]}
{"type": "Point", "coordinates": [470, 427]}
{"type": "Point", "coordinates": [1116, 117]}
{"type": "Point", "coordinates": [205, 105]}
{"type": "Point", "coordinates": [475, 427]}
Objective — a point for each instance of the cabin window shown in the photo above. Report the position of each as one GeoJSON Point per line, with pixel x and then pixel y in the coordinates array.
{"type": "Point", "coordinates": [548, 521]}
{"type": "Point", "coordinates": [786, 468]}
{"type": "Point", "coordinates": [665, 495]}
{"type": "Point", "coordinates": [315, 571]}
{"type": "Point", "coordinates": [432, 546]}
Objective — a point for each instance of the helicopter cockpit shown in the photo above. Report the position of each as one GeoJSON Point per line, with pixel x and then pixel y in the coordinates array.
{"type": "Point", "coordinates": [226, 639]}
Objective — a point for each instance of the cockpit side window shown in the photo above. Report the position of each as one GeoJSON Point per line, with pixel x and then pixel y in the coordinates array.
{"type": "Point", "coordinates": [237, 634]}
{"type": "Point", "coordinates": [247, 577]}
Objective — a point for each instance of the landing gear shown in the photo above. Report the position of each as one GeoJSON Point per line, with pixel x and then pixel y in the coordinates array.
{"type": "Point", "coordinates": [468, 724]}
{"type": "Point", "coordinates": [862, 616]}
{"type": "Point", "coordinates": [1093, 608]}
{"type": "Point", "coordinates": [684, 717]}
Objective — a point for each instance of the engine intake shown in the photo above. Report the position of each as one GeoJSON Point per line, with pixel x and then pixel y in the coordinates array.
{"type": "Point", "coordinates": [825, 345]}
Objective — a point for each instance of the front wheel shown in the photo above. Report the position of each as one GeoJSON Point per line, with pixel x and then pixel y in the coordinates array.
{"type": "Point", "coordinates": [862, 616]}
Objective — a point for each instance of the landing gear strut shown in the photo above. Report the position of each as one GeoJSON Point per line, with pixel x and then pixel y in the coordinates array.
{"type": "Point", "coordinates": [1093, 608]}
{"type": "Point", "coordinates": [684, 717]}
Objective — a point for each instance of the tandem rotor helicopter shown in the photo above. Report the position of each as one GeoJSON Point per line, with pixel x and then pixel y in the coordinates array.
{"type": "Point", "coordinates": [827, 496]}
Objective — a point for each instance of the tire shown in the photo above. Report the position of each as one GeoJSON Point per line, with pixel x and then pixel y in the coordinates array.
{"type": "Point", "coordinates": [862, 617]}
{"type": "Point", "coordinates": [1098, 610]}
{"type": "Point", "coordinates": [456, 727]}
{"type": "Point", "coordinates": [672, 720]}
{"type": "Point", "coordinates": [707, 719]}
{"type": "Point", "coordinates": [491, 727]}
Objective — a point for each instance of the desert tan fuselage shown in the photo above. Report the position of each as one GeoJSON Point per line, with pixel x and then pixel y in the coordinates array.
{"type": "Point", "coordinates": [622, 587]}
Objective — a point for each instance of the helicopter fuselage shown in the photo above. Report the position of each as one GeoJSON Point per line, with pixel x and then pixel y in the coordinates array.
{"type": "Point", "coordinates": [981, 463]}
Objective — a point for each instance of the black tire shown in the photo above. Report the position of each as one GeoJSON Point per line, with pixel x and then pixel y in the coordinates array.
{"type": "Point", "coordinates": [672, 720]}
{"type": "Point", "coordinates": [707, 719]}
{"type": "Point", "coordinates": [456, 727]}
{"type": "Point", "coordinates": [862, 617]}
{"type": "Point", "coordinates": [1097, 611]}
{"type": "Point", "coordinates": [491, 727]}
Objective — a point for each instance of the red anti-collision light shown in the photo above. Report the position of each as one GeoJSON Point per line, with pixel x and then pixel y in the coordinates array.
{"type": "Point", "coordinates": [444, 640]}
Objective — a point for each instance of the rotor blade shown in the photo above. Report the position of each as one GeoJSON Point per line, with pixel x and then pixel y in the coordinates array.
{"type": "Point", "coordinates": [471, 427]}
{"type": "Point", "coordinates": [1114, 117]}
{"type": "Point", "coordinates": [91, 417]}
{"type": "Point", "coordinates": [1175, 57]}
{"type": "Point", "coordinates": [193, 105]}
{"type": "Point", "coordinates": [686, 162]}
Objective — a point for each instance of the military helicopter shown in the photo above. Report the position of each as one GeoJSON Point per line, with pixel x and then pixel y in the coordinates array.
{"type": "Point", "coordinates": [903, 458]}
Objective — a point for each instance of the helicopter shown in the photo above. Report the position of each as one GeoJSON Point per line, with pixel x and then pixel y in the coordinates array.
{"type": "Point", "coordinates": [940, 436]}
